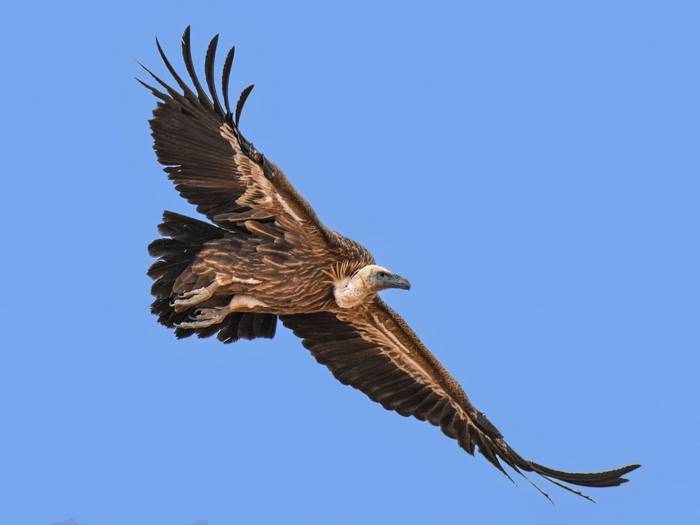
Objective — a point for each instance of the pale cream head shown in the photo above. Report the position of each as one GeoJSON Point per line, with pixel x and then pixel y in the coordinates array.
{"type": "Point", "coordinates": [365, 283]}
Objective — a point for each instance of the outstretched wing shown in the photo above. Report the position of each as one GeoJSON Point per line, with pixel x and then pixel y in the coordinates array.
{"type": "Point", "coordinates": [375, 351]}
{"type": "Point", "coordinates": [212, 164]}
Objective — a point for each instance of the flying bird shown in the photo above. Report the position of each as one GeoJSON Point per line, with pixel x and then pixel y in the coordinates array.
{"type": "Point", "coordinates": [265, 256]}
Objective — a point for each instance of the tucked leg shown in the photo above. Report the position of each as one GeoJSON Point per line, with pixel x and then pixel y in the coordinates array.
{"type": "Point", "coordinates": [244, 303]}
{"type": "Point", "coordinates": [205, 317]}
{"type": "Point", "coordinates": [193, 297]}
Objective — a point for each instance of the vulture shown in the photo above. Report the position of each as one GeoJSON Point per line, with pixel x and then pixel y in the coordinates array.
{"type": "Point", "coordinates": [265, 256]}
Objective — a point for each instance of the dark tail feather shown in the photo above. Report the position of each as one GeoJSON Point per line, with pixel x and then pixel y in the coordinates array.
{"type": "Point", "coordinates": [184, 238]}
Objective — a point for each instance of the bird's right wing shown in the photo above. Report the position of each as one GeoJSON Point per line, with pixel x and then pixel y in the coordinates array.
{"type": "Point", "coordinates": [375, 351]}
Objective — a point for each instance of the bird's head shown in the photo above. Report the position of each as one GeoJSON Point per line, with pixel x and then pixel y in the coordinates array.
{"type": "Point", "coordinates": [364, 284]}
{"type": "Point", "coordinates": [377, 278]}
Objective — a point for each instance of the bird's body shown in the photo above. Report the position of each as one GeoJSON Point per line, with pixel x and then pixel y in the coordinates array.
{"type": "Point", "coordinates": [267, 256]}
{"type": "Point", "coordinates": [277, 277]}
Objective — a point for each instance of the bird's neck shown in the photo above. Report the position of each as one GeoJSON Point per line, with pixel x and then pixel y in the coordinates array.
{"type": "Point", "coordinates": [352, 291]}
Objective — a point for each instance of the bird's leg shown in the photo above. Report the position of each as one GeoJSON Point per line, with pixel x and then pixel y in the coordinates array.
{"type": "Point", "coordinates": [244, 303]}
{"type": "Point", "coordinates": [193, 297]}
{"type": "Point", "coordinates": [205, 317]}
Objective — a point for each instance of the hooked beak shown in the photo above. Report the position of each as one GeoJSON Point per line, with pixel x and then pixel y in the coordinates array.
{"type": "Point", "coordinates": [399, 282]}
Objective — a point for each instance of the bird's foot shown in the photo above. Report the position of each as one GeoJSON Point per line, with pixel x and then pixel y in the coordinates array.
{"type": "Point", "coordinates": [193, 297]}
{"type": "Point", "coordinates": [205, 317]}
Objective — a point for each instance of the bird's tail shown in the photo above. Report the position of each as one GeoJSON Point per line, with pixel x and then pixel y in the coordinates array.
{"type": "Point", "coordinates": [183, 239]}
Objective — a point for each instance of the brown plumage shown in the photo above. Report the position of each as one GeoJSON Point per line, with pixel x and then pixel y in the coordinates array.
{"type": "Point", "coordinates": [267, 255]}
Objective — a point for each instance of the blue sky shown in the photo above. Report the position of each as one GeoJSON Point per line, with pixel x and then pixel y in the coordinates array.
{"type": "Point", "coordinates": [532, 167]}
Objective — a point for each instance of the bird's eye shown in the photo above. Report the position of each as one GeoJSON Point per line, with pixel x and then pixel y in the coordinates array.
{"type": "Point", "coordinates": [382, 274]}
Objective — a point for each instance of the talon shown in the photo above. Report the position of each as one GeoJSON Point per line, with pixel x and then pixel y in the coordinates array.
{"type": "Point", "coordinates": [190, 298]}
{"type": "Point", "coordinates": [204, 317]}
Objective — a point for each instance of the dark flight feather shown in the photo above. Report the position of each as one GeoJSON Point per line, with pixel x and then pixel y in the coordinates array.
{"type": "Point", "coordinates": [185, 88]}
{"type": "Point", "coordinates": [209, 75]}
{"type": "Point", "coordinates": [187, 57]}
{"type": "Point", "coordinates": [241, 101]}
{"type": "Point", "coordinates": [226, 76]}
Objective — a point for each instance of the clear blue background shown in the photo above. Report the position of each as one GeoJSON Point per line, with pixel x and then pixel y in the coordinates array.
{"type": "Point", "coordinates": [532, 167]}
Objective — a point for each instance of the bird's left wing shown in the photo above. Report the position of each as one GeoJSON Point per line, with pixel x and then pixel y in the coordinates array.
{"type": "Point", "coordinates": [375, 351]}
{"type": "Point", "coordinates": [213, 165]}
